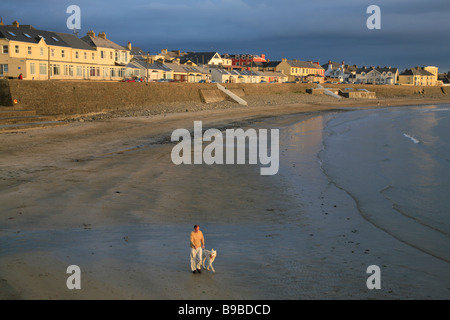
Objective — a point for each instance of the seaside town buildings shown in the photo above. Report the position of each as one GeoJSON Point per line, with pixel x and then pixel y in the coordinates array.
{"type": "Point", "coordinates": [36, 54]}
{"type": "Point", "coordinates": [42, 55]}
{"type": "Point", "coordinates": [297, 70]}
{"type": "Point", "coordinates": [372, 75]}
{"type": "Point", "coordinates": [426, 76]}
{"type": "Point", "coordinates": [341, 72]}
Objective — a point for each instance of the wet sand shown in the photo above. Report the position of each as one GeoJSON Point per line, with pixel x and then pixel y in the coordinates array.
{"type": "Point", "coordinates": [105, 196]}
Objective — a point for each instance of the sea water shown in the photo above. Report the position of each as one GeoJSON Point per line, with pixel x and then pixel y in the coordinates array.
{"type": "Point", "coordinates": [395, 164]}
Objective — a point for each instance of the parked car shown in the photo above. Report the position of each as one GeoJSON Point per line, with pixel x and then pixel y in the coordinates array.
{"type": "Point", "coordinates": [165, 80]}
{"type": "Point", "coordinates": [128, 80]}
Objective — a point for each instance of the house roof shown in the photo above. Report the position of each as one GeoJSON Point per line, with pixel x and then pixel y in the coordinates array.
{"type": "Point", "coordinates": [136, 51]}
{"type": "Point", "coordinates": [271, 64]}
{"type": "Point", "coordinates": [101, 43]}
{"type": "Point", "coordinates": [334, 65]}
{"type": "Point", "coordinates": [200, 57]}
{"type": "Point", "coordinates": [378, 69]}
{"type": "Point", "coordinates": [416, 72]}
{"type": "Point", "coordinates": [73, 41]}
{"type": "Point", "coordinates": [31, 35]}
{"type": "Point", "coordinates": [303, 64]}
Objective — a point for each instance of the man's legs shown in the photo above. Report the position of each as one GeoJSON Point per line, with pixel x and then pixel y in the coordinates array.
{"type": "Point", "coordinates": [199, 259]}
{"type": "Point", "coordinates": [196, 259]}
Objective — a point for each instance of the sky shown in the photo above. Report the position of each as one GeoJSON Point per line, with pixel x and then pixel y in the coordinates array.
{"type": "Point", "coordinates": [413, 32]}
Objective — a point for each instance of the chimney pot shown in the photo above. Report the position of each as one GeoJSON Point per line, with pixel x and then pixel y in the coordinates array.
{"type": "Point", "coordinates": [15, 24]}
{"type": "Point", "coordinates": [129, 46]}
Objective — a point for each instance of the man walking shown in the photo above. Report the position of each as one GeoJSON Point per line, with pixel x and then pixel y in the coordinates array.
{"type": "Point", "coordinates": [197, 244]}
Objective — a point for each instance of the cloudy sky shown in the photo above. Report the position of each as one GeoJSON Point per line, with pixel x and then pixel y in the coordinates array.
{"type": "Point", "coordinates": [413, 32]}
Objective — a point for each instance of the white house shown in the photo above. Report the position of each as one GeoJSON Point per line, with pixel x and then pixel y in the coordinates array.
{"type": "Point", "coordinates": [338, 71]}
{"type": "Point", "coordinates": [372, 75]}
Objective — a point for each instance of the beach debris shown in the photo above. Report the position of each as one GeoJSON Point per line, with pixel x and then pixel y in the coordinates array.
{"type": "Point", "coordinates": [411, 138]}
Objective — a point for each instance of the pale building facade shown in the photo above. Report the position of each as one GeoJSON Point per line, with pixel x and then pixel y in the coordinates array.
{"type": "Point", "coordinates": [43, 55]}
{"type": "Point", "coordinates": [419, 77]}
{"type": "Point", "coordinates": [297, 70]}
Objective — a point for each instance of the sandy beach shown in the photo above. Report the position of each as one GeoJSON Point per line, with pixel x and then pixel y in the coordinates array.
{"type": "Point", "coordinates": [104, 195]}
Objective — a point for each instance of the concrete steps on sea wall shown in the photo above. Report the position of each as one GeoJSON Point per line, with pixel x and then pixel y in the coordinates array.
{"type": "Point", "coordinates": [14, 119]}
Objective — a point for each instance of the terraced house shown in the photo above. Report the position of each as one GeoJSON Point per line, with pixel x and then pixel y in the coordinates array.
{"type": "Point", "coordinates": [378, 75]}
{"type": "Point", "coordinates": [42, 55]}
{"type": "Point", "coordinates": [297, 70]}
{"type": "Point", "coordinates": [425, 76]}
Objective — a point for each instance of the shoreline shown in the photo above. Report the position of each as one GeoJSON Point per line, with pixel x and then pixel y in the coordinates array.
{"type": "Point", "coordinates": [101, 188]}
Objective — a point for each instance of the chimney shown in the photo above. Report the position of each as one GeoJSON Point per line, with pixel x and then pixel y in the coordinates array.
{"type": "Point", "coordinates": [284, 60]}
{"type": "Point", "coordinates": [15, 24]}
{"type": "Point", "coordinates": [129, 46]}
{"type": "Point", "coordinates": [102, 35]}
{"type": "Point", "coordinates": [263, 56]}
{"type": "Point", "coordinates": [177, 60]}
{"type": "Point", "coordinates": [1, 22]}
{"type": "Point", "coordinates": [91, 33]}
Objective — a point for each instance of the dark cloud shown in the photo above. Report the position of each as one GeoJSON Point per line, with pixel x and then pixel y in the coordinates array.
{"type": "Point", "coordinates": [414, 32]}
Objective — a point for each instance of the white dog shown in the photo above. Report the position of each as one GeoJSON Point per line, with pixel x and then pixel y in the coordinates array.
{"type": "Point", "coordinates": [209, 257]}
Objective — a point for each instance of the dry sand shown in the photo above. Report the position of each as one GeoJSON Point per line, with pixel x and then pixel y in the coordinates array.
{"type": "Point", "coordinates": [104, 195]}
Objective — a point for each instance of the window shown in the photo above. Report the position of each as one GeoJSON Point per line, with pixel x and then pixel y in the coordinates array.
{"type": "Point", "coordinates": [3, 68]}
{"type": "Point", "coordinates": [29, 50]}
{"type": "Point", "coordinates": [55, 39]}
{"type": "Point", "coordinates": [117, 56]}
{"type": "Point", "coordinates": [68, 70]}
{"type": "Point", "coordinates": [12, 33]}
{"type": "Point", "coordinates": [111, 55]}
{"type": "Point", "coordinates": [53, 52]}
{"type": "Point", "coordinates": [85, 56]}
{"type": "Point", "coordinates": [17, 49]}
{"type": "Point", "coordinates": [32, 68]}
{"type": "Point", "coordinates": [41, 51]}
{"type": "Point", "coordinates": [56, 69]}
{"type": "Point", "coordinates": [93, 56]}
{"type": "Point", "coordinates": [63, 54]}
{"type": "Point", "coordinates": [27, 35]}
{"type": "Point", "coordinates": [102, 54]}
{"type": "Point", "coordinates": [5, 49]}
{"type": "Point", "coordinates": [79, 71]}
{"type": "Point", "coordinates": [76, 54]}
{"type": "Point", "coordinates": [42, 69]}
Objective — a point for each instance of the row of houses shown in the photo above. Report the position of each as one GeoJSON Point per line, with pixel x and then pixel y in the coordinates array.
{"type": "Point", "coordinates": [227, 68]}
{"type": "Point", "coordinates": [418, 76]}
{"type": "Point", "coordinates": [41, 55]}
